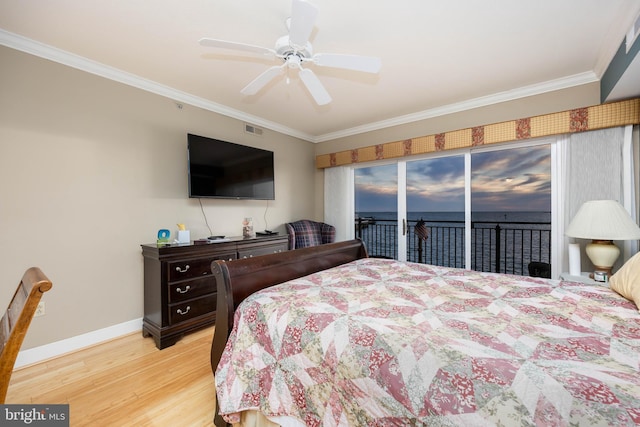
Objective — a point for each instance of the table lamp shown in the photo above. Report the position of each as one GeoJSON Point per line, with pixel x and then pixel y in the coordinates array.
{"type": "Point", "coordinates": [603, 221]}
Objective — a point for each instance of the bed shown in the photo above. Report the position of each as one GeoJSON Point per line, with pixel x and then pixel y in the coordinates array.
{"type": "Point", "coordinates": [326, 336]}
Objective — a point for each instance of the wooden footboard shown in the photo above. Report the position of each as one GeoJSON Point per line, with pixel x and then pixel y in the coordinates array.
{"type": "Point", "coordinates": [238, 279]}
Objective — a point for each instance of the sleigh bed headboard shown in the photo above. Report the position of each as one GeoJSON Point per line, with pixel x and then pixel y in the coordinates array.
{"type": "Point", "coordinates": [238, 279]}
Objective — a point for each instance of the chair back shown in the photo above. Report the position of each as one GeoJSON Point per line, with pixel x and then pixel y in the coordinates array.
{"type": "Point", "coordinates": [16, 321]}
{"type": "Point", "coordinates": [540, 269]}
{"type": "Point", "coordinates": [306, 233]}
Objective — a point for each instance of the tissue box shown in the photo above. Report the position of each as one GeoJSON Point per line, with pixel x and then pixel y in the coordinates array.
{"type": "Point", "coordinates": [183, 236]}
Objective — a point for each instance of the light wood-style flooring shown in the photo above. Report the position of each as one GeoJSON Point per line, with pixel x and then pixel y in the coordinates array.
{"type": "Point", "coordinates": [126, 382]}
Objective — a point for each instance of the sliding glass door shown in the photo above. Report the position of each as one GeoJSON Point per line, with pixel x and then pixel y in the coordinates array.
{"type": "Point", "coordinates": [376, 209]}
{"type": "Point", "coordinates": [435, 191]}
{"type": "Point", "coordinates": [511, 210]}
{"type": "Point", "coordinates": [413, 210]}
{"type": "Point", "coordinates": [488, 210]}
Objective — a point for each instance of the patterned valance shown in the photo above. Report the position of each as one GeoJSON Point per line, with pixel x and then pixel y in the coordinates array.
{"type": "Point", "coordinates": [581, 119]}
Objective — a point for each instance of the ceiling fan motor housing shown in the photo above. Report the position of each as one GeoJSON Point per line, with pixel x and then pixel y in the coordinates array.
{"type": "Point", "coordinates": [288, 52]}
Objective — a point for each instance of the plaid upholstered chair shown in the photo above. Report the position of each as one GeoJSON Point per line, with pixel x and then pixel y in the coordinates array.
{"type": "Point", "coordinates": [305, 233]}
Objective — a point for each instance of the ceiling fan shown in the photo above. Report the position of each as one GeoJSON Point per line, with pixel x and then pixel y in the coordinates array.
{"type": "Point", "coordinates": [294, 49]}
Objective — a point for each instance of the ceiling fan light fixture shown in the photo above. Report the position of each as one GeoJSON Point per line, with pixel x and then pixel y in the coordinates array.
{"type": "Point", "coordinates": [293, 61]}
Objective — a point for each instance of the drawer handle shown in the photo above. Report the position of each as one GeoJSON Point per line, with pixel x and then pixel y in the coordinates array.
{"type": "Point", "coordinates": [179, 311]}
{"type": "Point", "coordinates": [182, 270]}
{"type": "Point", "coordinates": [180, 291]}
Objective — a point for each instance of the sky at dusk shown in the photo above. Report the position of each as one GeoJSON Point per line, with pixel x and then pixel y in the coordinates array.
{"type": "Point", "coordinates": [506, 180]}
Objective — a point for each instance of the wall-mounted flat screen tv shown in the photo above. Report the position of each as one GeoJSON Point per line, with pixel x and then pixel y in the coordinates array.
{"type": "Point", "coordinates": [221, 169]}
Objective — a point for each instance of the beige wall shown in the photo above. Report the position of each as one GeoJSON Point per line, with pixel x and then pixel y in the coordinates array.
{"type": "Point", "coordinates": [90, 169]}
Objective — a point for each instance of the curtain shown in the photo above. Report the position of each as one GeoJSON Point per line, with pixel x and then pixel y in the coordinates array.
{"type": "Point", "coordinates": [339, 209]}
{"type": "Point", "coordinates": [630, 151]}
{"type": "Point", "coordinates": [559, 242]}
{"type": "Point", "coordinates": [597, 165]}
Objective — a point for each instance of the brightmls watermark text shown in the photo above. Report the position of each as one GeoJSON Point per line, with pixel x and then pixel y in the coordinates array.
{"type": "Point", "coordinates": [34, 415]}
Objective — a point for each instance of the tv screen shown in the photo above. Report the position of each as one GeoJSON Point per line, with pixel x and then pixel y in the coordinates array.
{"type": "Point", "coordinates": [220, 169]}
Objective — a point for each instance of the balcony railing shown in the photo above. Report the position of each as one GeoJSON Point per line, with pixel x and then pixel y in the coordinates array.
{"type": "Point", "coordinates": [495, 247]}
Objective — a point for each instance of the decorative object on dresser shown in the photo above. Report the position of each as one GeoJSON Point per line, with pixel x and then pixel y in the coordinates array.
{"type": "Point", "coordinates": [183, 234]}
{"type": "Point", "coordinates": [247, 228]}
{"type": "Point", "coordinates": [179, 289]}
{"type": "Point", "coordinates": [603, 221]}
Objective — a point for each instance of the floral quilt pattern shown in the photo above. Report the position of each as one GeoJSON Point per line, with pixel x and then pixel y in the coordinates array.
{"type": "Point", "coordinates": [386, 343]}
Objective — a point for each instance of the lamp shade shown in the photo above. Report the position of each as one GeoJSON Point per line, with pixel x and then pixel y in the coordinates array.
{"type": "Point", "coordinates": [603, 220]}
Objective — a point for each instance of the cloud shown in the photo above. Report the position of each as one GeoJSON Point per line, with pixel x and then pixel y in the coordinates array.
{"type": "Point", "coordinates": [505, 180]}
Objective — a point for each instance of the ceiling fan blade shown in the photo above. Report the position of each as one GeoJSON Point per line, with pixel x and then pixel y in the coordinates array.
{"type": "Point", "coordinates": [314, 86]}
{"type": "Point", "coordinates": [367, 64]}
{"type": "Point", "coordinates": [262, 80]}
{"type": "Point", "coordinates": [236, 46]}
{"type": "Point", "coordinates": [303, 18]}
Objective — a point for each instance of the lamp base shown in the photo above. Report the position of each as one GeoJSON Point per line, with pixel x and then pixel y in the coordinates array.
{"type": "Point", "coordinates": [603, 254]}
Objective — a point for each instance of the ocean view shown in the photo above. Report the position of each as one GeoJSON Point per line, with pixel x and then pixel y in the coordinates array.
{"type": "Point", "coordinates": [500, 241]}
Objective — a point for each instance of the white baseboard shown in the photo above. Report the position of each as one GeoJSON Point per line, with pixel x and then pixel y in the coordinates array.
{"type": "Point", "coordinates": [58, 348]}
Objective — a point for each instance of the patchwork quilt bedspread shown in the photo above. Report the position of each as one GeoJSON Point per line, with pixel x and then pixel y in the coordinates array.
{"type": "Point", "coordinates": [386, 343]}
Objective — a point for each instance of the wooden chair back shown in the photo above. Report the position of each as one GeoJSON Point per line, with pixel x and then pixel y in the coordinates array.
{"type": "Point", "coordinates": [16, 321]}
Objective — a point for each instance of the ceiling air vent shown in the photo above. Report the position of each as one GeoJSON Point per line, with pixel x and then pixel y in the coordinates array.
{"type": "Point", "coordinates": [252, 129]}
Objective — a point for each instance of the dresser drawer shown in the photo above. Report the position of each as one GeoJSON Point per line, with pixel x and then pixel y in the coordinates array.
{"type": "Point", "coordinates": [192, 308]}
{"type": "Point", "coordinates": [192, 268]}
{"type": "Point", "coordinates": [262, 250]}
{"type": "Point", "coordinates": [182, 291]}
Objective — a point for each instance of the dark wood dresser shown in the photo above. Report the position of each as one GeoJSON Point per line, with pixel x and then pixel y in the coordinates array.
{"type": "Point", "coordinates": [179, 289]}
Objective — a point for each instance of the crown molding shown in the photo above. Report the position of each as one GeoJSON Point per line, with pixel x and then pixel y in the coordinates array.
{"type": "Point", "coordinates": [510, 95]}
{"type": "Point", "coordinates": [42, 50]}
